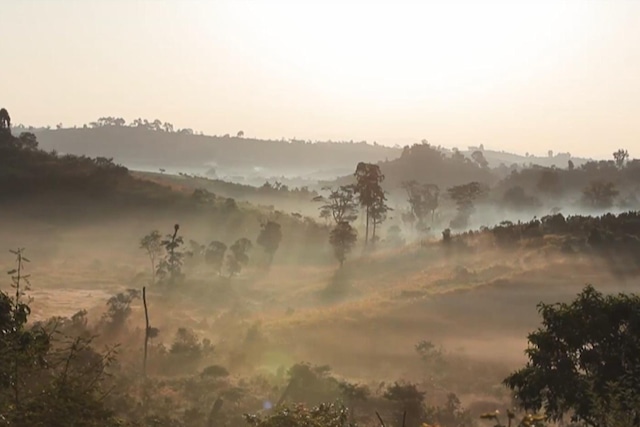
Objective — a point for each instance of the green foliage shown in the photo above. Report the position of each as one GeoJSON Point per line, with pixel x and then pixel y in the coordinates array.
{"type": "Point", "coordinates": [582, 350]}
{"type": "Point", "coordinates": [47, 382]}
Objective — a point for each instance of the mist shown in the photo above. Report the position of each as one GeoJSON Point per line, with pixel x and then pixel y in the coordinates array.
{"type": "Point", "coordinates": [345, 215]}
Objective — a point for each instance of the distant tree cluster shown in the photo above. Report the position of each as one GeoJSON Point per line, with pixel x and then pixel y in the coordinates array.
{"type": "Point", "coordinates": [168, 255]}
{"type": "Point", "coordinates": [155, 125]}
{"type": "Point", "coordinates": [425, 163]}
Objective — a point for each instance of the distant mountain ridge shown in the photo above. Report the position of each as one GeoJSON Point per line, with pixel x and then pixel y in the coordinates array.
{"type": "Point", "coordinates": [219, 155]}
{"type": "Point", "coordinates": [153, 146]}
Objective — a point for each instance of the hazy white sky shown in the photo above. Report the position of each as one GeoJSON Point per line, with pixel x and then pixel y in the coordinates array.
{"type": "Point", "coordinates": [520, 76]}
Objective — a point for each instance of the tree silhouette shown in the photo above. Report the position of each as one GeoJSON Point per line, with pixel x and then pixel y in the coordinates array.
{"type": "Point", "coordinates": [549, 182]}
{"type": "Point", "coordinates": [378, 216]}
{"type": "Point", "coordinates": [170, 267]}
{"type": "Point", "coordinates": [369, 191]}
{"type": "Point", "coordinates": [464, 197]}
{"type": "Point", "coordinates": [343, 237]}
{"type": "Point", "coordinates": [516, 198]}
{"type": "Point", "coordinates": [27, 141]}
{"type": "Point", "coordinates": [5, 119]}
{"type": "Point", "coordinates": [410, 399]}
{"type": "Point", "coordinates": [423, 200]}
{"type": "Point", "coordinates": [584, 360]}
{"type": "Point", "coordinates": [238, 257]}
{"type": "Point", "coordinates": [620, 157]}
{"type": "Point", "coordinates": [478, 157]}
{"type": "Point", "coordinates": [458, 157]}
{"type": "Point", "coordinates": [240, 134]}
{"type": "Point", "coordinates": [599, 194]}
{"type": "Point", "coordinates": [340, 204]}
{"type": "Point", "coordinates": [270, 238]}
{"type": "Point", "coordinates": [151, 243]}
{"type": "Point", "coordinates": [214, 255]}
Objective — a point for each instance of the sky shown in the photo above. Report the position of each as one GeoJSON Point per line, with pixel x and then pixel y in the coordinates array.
{"type": "Point", "coordinates": [512, 75]}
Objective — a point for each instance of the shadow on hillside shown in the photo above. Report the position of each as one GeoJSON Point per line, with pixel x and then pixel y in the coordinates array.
{"type": "Point", "coordinates": [339, 286]}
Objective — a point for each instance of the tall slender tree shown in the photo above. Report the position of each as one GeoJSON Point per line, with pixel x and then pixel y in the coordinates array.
{"type": "Point", "coordinates": [369, 190]}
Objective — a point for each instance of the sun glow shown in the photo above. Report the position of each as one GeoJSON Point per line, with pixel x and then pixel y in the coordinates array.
{"type": "Point", "coordinates": [512, 73]}
{"type": "Point", "coordinates": [405, 51]}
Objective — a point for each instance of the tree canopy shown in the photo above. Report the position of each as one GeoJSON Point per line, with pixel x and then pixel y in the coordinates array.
{"type": "Point", "coordinates": [584, 360]}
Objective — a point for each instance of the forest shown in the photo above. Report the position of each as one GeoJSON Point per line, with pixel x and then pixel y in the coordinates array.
{"type": "Point", "coordinates": [423, 287]}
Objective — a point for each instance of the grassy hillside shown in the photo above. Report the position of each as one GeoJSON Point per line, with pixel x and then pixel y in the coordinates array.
{"type": "Point", "coordinates": [270, 194]}
{"type": "Point", "coordinates": [422, 328]}
{"type": "Point", "coordinates": [473, 299]}
{"type": "Point", "coordinates": [39, 187]}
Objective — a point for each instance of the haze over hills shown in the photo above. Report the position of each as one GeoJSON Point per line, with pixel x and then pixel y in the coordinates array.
{"type": "Point", "coordinates": [265, 275]}
{"type": "Point", "coordinates": [152, 146]}
{"type": "Point", "coordinates": [354, 214]}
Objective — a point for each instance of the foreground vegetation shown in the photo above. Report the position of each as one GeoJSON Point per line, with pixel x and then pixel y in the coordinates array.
{"type": "Point", "coordinates": [583, 364]}
{"type": "Point", "coordinates": [132, 363]}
